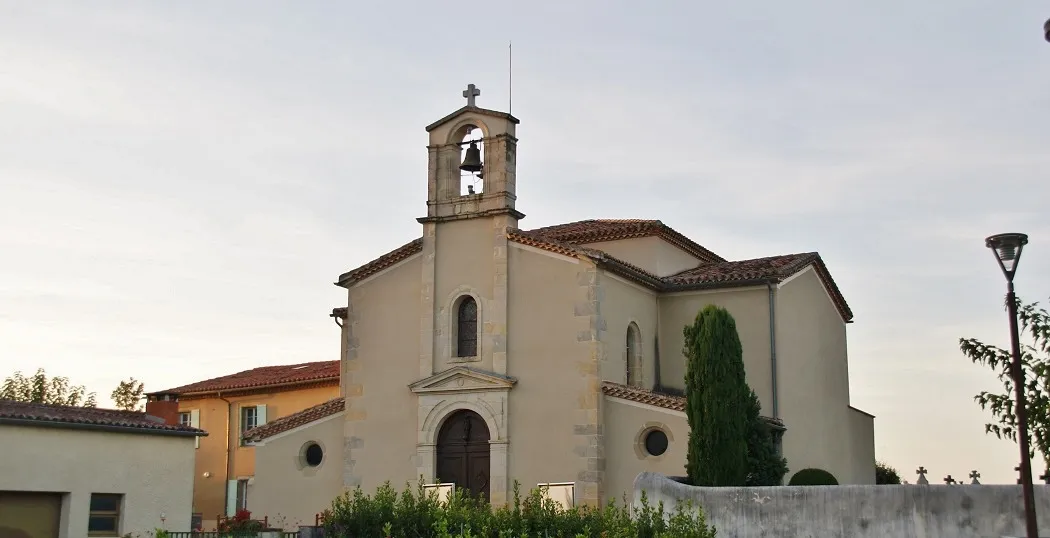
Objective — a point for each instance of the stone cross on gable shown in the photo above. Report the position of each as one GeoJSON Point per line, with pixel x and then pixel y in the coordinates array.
{"type": "Point", "coordinates": [921, 471]}
{"type": "Point", "coordinates": [470, 93]}
{"type": "Point", "coordinates": [949, 480]}
{"type": "Point", "coordinates": [974, 475]}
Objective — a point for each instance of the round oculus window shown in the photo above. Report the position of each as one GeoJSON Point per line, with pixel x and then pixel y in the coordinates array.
{"type": "Point", "coordinates": [313, 454]}
{"type": "Point", "coordinates": [655, 442]}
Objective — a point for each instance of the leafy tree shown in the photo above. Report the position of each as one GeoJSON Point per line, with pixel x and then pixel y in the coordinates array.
{"type": "Point", "coordinates": [1035, 363]}
{"type": "Point", "coordinates": [38, 388]}
{"type": "Point", "coordinates": [765, 467]}
{"type": "Point", "coordinates": [128, 395]}
{"type": "Point", "coordinates": [716, 396]}
{"type": "Point", "coordinates": [884, 474]}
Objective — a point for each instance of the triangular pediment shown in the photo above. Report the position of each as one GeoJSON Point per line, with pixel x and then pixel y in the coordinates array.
{"type": "Point", "coordinates": [463, 379]}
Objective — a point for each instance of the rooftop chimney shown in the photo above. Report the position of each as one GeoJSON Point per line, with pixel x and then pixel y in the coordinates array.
{"type": "Point", "coordinates": [165, 406]}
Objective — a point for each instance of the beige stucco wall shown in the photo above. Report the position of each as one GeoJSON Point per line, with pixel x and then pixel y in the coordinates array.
{"type": "Point", "coordinates": [748, 306]}
{"type": "Point", "coordinates": [650, 253]}
{"type": "Point", "coordinates": [209, 492]}
{"type": "Point", "coordinates": [551, 406]}
{"type": "Point", "coordinates": [625, 303]}
{"type": "Point", "coordinates": [286, 490]}
{"type": "Point", "coordinates": [862, 430]}
{"type": "Point", "coordinates": [153, 472]}
{"type": "Point", "coordinates": [811, 354]}
{"type": "Point", "coordinates": [625, 424]}
{"type": "Point", "coordinates": [382, 359]}
{"type": "Point", "coordinates": [464, 264]}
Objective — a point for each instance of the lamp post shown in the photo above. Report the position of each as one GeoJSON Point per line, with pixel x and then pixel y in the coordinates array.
{"type": "Point", "coordinates": [1007, 248]}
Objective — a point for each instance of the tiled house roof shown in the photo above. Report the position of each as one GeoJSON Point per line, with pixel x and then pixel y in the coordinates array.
{"type": "Point", "coordinates": [599, 230]}
{"type": "Point", "coordinates": [656, 399]}
{"type": "Point", "coordinates": [34, 414]}
{"type": "Point", "coordinates": [301, 418]}
{"type": "Point", "coordinates": [263, 377]}
{"type": "Point", "coordinates": [567, 240]}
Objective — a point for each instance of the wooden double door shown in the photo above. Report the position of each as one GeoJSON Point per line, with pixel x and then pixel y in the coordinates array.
{"type": "Point", "coordinates": [463, 453]}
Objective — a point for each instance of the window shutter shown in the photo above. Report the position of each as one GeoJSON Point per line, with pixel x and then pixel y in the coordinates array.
{"type": "Point", "coordinates": [195, 422]}
{"type": "Point", "coordinates": [231, 497]}
{"type": "Point", "coordinates": [260, 415]}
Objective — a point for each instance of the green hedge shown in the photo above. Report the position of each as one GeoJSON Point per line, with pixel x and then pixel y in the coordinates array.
{"type": "Point", "coordinates": [416, 513]}
{"type": "Point", "coordinates": [813, 477]}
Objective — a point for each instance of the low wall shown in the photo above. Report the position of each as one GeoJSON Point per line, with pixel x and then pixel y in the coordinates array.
{"type": "Point", "coordinates": [933, 511]}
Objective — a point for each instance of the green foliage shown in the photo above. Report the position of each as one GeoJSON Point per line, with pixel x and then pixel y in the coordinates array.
{"type": "Point", "coordinates": [813, 477]}
{"type": "Point", "coordinates": [417, 513]}
{"type": "Point", "coordinates": [1035, 363]}
{"type": "Point", "coordinates": [716, 395]}
{"type": "Point", "coordinates": [40, 389]}
{"type": "Point", "coordinates": [764, 466]}
{"type": "Point", "coordinates": [128, 395]}
{"type": "Point", "coordinates": [884, 474]}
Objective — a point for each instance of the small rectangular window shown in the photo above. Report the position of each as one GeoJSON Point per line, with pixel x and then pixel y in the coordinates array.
{"type": "Point", "coordinates": [104, 514]}
{"type": "Point", "coordinates": [185, 419]}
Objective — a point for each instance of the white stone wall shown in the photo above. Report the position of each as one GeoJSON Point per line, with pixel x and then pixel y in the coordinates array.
{"type": "Point", "coordinates": [859, 511]}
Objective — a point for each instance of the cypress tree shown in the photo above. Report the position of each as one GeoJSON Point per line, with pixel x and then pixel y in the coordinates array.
{"type": "Point", "coordinates": [716, 400]}
{"type": "Point", "coordinates": [765, 466]}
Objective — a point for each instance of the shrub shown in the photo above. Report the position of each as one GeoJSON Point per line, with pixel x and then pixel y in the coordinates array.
{"type": "Point", "coordinates": [716, 400]}
{"type": "Point", "coordinates": [417, 513]}
{"type": "Point", "coordinates": [884, 474]}
{"type": "Point", "coordinates": [813, 477]}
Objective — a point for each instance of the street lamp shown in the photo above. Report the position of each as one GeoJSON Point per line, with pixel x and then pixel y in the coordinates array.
{"type": "Point", "coordinates": [1007, 249]}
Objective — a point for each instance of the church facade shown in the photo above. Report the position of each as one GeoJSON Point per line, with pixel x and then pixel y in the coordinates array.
{"type": "Point", "coordinates": [554, 355]}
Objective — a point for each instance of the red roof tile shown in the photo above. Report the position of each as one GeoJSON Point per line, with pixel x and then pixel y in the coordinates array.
{"type": "Point", "coordinates": [295, 420]}
{"type": "Point", "coordinates": [265, 376]}
{"type": "Point", "coordinates": [12, 412]}
{"type": "Point", "coordinates": [599, 230]}
{"type": "Point", "coordinates": [656, 399]}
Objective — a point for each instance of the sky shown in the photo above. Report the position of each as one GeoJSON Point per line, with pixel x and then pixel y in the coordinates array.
{"type": "Point", "coordinates": [182, 182]}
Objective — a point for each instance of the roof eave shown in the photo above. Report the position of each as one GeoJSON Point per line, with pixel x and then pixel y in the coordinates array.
{"type": "Point", "coordinates": [62, 424]}
{"type": "Point", "coordinates": [230, 390]}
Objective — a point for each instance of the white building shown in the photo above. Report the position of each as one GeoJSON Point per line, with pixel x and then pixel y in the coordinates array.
{"type": "Point", "coordinates": [69, 472]}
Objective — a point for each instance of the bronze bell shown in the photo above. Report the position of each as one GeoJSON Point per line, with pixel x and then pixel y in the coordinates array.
{"type": "Point", "coordinates": [472, 160]}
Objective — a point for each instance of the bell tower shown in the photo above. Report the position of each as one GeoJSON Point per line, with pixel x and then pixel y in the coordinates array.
{"type": "Point", "coordinates": [471, 164]}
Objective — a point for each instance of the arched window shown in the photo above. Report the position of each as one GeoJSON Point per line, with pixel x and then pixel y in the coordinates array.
{"type": "Point", "coordinates": [467, 328]}
{"type": "Point", "coordinates": [633, 356]}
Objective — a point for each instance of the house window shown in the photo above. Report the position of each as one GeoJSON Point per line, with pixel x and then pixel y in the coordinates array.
{"type": "Point", "coordinates": [191, 418]}
{"type": "Point", "coordinates": [242, 494]}
{"type": "Point", "coordinates": [251, 416]}
{"type": "Point", "coordinates": [467, 328]}
{"type": "Point", "coordinates": [185, 419]}
{"type": "Point", "coordinates": [104, 514]}
{"type": "Point", "coordinates": [633, 356]}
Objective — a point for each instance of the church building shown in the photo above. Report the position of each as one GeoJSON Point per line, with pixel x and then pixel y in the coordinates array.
{"type": "Point", "coordinates": [550, 355]}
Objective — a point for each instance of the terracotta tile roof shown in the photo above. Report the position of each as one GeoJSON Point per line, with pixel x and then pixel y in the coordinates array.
{"type": "Point", "coordinates": [380, 263]}
{"type": "Point", "coordinates": [265, 376]}
{"type": "Point", "coordinates": [567, 239]}
{"type": "Point", "coordinates": [758, 271]}
{"type": "Point", "coordinates": [656, 399]}
{"type": "Point", "coordinates": [12, 412]}
{"type": "Point", "coordinates": [599, 230]}
{"type": "Point", "coordinates": [306, 416]}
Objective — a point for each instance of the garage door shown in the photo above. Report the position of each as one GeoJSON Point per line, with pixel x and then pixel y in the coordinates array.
{"type": "Point", "coordinates": [26, 514]}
